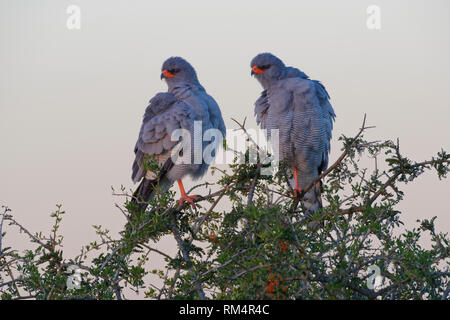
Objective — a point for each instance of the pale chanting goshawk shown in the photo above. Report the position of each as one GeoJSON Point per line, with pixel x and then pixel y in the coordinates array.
{"type": "Point", "coordinates": [300, 109]}
{"type": "Point", "coordinates": [185, 102]}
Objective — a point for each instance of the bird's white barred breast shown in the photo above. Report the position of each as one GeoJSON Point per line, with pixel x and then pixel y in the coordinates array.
{"type": "Point", "coordinates": [294, 109]}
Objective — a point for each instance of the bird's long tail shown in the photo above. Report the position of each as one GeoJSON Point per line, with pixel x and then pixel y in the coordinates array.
{"type": "Point", "coordinates": [146, 191]}
{"type": "Point", "coordinates": [312, 201]}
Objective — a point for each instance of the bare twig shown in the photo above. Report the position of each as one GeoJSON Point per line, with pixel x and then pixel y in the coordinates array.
{"type": "Point", "coordinates": [6, 210]}
{"type": "Point", "coordinates": [338, 161]}
{"type": "Point", "coordinates": [251, 192]}
{"type": "Point", "coordinates": [186, 258]}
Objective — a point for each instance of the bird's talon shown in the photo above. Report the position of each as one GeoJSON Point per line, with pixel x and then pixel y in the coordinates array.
{"type": "Point", "coordinates": [297, 192]}
{"type": "Point", "coordinates": [189, 199]}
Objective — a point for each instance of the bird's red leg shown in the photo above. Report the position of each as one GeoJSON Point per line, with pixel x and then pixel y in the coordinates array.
{"type": "Point", "coordinates": [297, 189]}
{"type": "Point", "coordinates": [185, 197]}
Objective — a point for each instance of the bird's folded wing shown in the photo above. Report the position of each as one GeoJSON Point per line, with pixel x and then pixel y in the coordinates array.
{"type": "Point", "coordinates": [261, 107]}
{"type": "Point", "coordinates": [156, 132]}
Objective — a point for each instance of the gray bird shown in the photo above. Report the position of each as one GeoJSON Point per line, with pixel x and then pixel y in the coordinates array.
{"type": "Point", "coordinates": [185, 102]}
{"type": "Point", "coordinates": [300, 109]}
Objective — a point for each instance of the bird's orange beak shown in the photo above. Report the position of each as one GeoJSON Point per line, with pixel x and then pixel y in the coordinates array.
{"type": "Point", "coordinates": [257, 70]}
{"type": "Point", "coordinates": [167, 74]}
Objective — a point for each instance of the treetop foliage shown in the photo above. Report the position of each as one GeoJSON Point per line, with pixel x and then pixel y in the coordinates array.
{"type": "Point", "coordinates": [262, 248]}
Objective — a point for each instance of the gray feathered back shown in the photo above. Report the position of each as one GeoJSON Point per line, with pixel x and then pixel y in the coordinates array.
{"type": "Point", "coordinates": [164, 114]}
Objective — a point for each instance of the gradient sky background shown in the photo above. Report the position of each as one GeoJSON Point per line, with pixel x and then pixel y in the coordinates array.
{"type": "Point", "coordinates": [71, 102]}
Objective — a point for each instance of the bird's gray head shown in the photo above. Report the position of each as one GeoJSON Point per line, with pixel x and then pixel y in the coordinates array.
{"type": "Point", "coordinates": [267, 68]}
{"type": "Point", "coordinates": [176, 70]}
{"type": "Point", "coordinates": [162, 101]}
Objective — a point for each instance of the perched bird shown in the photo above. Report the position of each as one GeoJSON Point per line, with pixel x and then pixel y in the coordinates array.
{"type": "Point", "coordinates": [300, 109]}
{"type": "Point", "coordinates": [185, 102]}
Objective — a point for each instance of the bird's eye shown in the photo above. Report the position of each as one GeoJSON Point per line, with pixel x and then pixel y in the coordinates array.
{"type": "Point", "coordinates": [265, 67]}
{"type": "Point", "coordinates": [174, 71]}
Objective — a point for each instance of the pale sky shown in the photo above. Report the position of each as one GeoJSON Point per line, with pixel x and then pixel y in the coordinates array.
{"type": "Point", "coordinates": [71, 101]}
